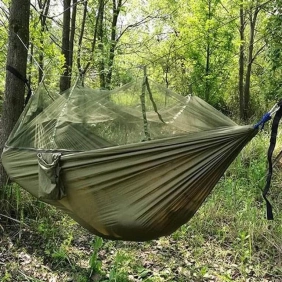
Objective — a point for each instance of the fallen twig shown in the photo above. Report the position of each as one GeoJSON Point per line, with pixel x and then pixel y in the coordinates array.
{"type": "Point", "coordinates": [13, 219]}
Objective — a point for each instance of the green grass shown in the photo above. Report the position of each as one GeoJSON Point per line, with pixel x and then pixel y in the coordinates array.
{"type": "Point", "coordinates": [228, 239]}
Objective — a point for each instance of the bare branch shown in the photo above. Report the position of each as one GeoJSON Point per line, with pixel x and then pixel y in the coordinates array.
{"type": "Point", "coordinates": [258, 52]}
{"type": "Point", "coordinates": [143, 21]}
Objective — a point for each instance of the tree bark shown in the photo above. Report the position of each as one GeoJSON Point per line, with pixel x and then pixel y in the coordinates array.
{"type": "Point", "coordinates": [65, 78]}
{"type": "Point", "coordinates": [114, 41]}
{"type": "Point", "coordinates": [253, 19]}
{"type": "Point", "coordinates": [208, 59]}
{"type": "Point", "coordinates": [16, 58]}
{"type": "Point", "coordinates": [241, 62]}
{"type": "Point", "coordinates": [207, 72]}
{"type": "Point", "coordinates": [100, 37]}
{"type": "Point", "coordinates": [78, 60]}
{"type": "Point", "coordinates": [72, 35]}
{"type": "Point", "coordinates": [44, 7]}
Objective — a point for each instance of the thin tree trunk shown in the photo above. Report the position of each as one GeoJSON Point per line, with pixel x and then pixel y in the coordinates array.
{"type": "Point", "coordinates": [72, 34]}
{"type": "Point", "coordinates": [43, 16]}
{"type": "Point", "coordinates": [100, 37]}
{"type": "Point", "coordinates": [16, 58]}
{"type": "Point", "coordinates": [241, 62]}
{"type": "Point", "coordinates": [65, 78]}
{"type": "Point", "coordinates": [253, 19]}
{"type": "Point", "coordinates": [116, 11]}
{"type": "Point", "coordinates": [207, 72]}
{"type": "Point", "coordinates": [95, 35]}
{"type": "Point", "coordinates": [78, 61]}
{"type": "Point", "coordinates": [208, 58]}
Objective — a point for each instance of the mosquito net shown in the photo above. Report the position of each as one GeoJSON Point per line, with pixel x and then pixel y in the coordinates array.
{"type": "Point", "coordinates": [84, 119]}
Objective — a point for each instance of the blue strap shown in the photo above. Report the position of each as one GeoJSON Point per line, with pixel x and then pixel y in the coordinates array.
{"type": "Point", "coordinates": [264, 119]}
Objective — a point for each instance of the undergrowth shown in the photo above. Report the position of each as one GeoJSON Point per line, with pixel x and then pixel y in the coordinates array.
{"type": "Point", "coordinates": [228, 239]}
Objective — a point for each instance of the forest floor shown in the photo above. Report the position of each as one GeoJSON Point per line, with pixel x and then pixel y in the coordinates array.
{"type": "Point", "coordinates": [63, 251]}
{"type": "Point", "coordinates": [228, 239]}
{"type": "Point", "coordinates": [26, 256]}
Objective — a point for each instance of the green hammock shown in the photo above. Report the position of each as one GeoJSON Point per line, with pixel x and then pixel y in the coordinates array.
{"type": "Point", "coordinates": [133, 163]}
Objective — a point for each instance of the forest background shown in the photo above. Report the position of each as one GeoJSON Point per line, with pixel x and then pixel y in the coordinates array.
{"type": "Point", "coordinates": [227, 52]}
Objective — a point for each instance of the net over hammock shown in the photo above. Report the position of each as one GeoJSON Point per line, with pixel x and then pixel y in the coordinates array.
{"type": "Point", "coordinates": [133, 163]}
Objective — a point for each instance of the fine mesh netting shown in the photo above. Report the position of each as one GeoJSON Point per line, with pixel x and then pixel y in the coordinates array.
{"type": "Point", "coordinates": [83, 119]}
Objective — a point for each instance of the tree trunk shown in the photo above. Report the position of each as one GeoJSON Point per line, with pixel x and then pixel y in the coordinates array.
{"type": "Point", "coordinates": [208, 58]}
{"type": "Point", "coordinates": [72, 35]}
{"type": "Point", "coordinates": [78, 60]}
{"type": "Point", "coordinates": [116, 11]}
{"type": "Point", "coordinates": [65, 78]}
{"type": "Point", "coordinates": [100, 37]}
{"type": "Point", "coordinates": [16, 58]}
{"type": "Point", "coordinates": [253, 19]}
{"type": "Point", "coordinates": [95, 35]}
{"type": "Point", "coordinates": [241, 62]}
{"type": "Point", "coordinates": [44, 7]}
{"type": "Point", "coordinates": [207, 72]}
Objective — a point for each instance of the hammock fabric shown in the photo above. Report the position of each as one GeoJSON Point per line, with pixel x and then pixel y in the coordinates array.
{"type": "Point", "coordinates": [133, 163]}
